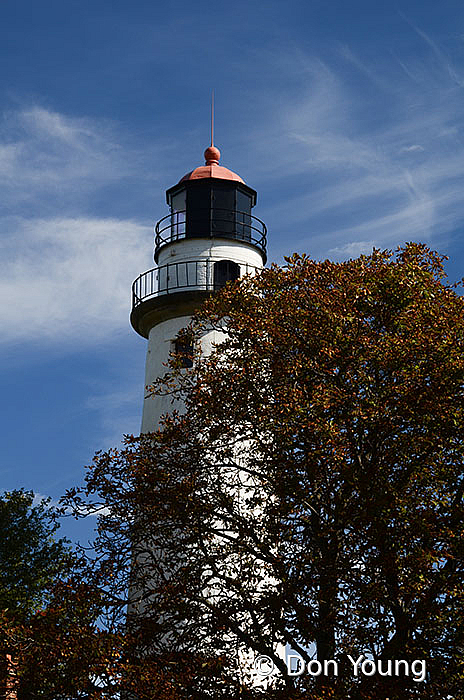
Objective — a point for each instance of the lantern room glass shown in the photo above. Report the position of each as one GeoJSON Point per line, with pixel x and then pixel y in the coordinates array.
{"type": "Point", "coordinates": [211, 209]}
{"type": "Point", "coordinates": [178, 205]}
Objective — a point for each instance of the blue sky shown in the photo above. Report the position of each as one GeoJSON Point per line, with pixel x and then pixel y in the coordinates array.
{"type": "Point", "coordinates": [347, 118]}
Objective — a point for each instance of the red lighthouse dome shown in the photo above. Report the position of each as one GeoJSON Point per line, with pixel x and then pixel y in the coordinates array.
{"type": "Point", "coordinates": [211, 168]}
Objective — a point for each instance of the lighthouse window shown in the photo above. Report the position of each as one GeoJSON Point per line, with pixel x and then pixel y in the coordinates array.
{"type": "Point", "coordinates": [223, 211]}
{"type": "Point", "coordinates": [178, 214]}
{"type": "Point", "coordinates": [199, 210]}
{"type": "Point", "coordinates": [178, 201]}
{"type": "Point", "coordinates": [243, 216]}
{"type": "Point", "coordinates": [183, 348]}
{"type": "Point", "coordinates": [225, 271]}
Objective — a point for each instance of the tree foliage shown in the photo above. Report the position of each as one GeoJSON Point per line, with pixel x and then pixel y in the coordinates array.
{"type": "Point", "coordinates": [310, 494]}
{"type": "Point", "coordinates": [31, 558]}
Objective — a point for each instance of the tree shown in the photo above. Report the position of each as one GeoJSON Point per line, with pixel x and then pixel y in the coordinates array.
{"type": "Point", "coordinates": [30, 560]}
{"type": "Point", "coordinates": [30, 556]}
{"type": "Point", "coordinates": [48, 612]}
{"type": "Point", "coordinates": [311, 492]}
{"type": "Point", "coordinates": [57, 634]}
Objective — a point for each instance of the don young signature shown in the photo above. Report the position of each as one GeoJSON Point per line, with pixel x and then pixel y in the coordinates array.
{"type": "Point", "coordinates": [362, 666]}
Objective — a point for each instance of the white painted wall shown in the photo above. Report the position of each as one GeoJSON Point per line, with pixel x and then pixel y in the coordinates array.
{"type": "Point", "coordinates": [160, 342]}
{"type": "Point", "coordinates": [162, 335]}
{"type": "Point", "coordinates": [210, 248]}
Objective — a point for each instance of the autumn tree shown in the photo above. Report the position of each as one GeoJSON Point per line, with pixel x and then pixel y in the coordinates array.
{"type": "Point", "coordinates": [59, 615]}
{"type": "Point", "coordinates": [31, 558]}
{"type": "Point", "coordinates": [51, 643]}
{"type": "Point", "coordinates": [311, 492]}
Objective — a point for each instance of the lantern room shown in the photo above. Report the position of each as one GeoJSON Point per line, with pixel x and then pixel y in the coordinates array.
{"type": "Point", "coordinates": [211, 202]}
{"type": "Point", "coordinates": [209, 238]}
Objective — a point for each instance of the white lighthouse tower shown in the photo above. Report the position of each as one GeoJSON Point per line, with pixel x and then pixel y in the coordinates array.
{"type": "Point", "coordinates": [208, 238]}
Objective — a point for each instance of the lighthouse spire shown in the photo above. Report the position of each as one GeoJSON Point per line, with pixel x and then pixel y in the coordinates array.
{"type": "Point", "coordinates": [212, 118]}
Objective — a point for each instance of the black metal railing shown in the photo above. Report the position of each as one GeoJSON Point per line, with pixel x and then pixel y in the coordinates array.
{"type": "Point", "coordinates": [224, 223]}
{"type": "Point", "coordinates": [192, 275]}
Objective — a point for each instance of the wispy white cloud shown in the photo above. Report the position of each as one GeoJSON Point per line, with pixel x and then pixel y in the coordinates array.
{"type": "Point", "coordinates": [51, 502]}
{"type": "Point", "coordinates": [354, 153]}
{"type": "Point", "coordinates": [119, 411]}
{"type": "Point", "coordinates": [43, 152]}
{"type": "Point", "coordinates": [353, 249]}
{"type": "Point", "coordinates": [411, 149]}
{"type": "Point", "coordinates": [66, 273]}
{"type": "Point", "coordinates": [68, 279]}
{"type": "Point", "coordinates": [365, 153]}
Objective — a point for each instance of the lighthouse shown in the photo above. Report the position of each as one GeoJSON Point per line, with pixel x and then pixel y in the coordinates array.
{"type": "Point", "coordinates": [208, 238]}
